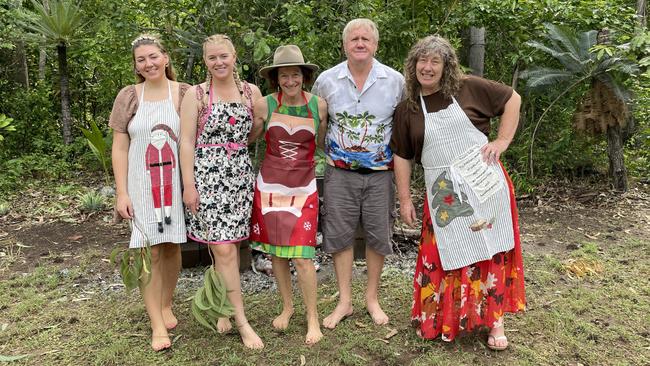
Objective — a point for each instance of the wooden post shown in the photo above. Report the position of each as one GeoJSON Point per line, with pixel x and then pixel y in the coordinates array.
{"type": "Point", "coordinates": [196, 254]}
{"type": "Point", "coordinates": [359, 247]}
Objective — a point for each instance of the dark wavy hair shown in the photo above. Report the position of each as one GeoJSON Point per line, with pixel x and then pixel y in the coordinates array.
{"type": "Point", "coordinates": [451, 72]}
{"type": "Point", "coordinates": [307, 77]}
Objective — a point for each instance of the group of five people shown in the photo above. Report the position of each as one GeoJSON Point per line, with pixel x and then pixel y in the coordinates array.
{"type": "Point", "coordinates": [372, 123]}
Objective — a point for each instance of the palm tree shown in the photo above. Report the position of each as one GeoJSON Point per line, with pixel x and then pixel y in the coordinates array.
{"type": "Point", "coordinates": [603, 109]}
{"type": "Point", "coordinates": [60, 23]}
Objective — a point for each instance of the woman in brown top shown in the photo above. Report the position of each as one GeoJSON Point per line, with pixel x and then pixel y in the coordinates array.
{"type": "Point", "coordinates": [146, 124]}
{"type": "Point", "coordinates": [469, 270]}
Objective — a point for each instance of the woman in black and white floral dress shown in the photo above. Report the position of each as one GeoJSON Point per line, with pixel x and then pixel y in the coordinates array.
{"type": "Point", "coordinates": [216, 119]}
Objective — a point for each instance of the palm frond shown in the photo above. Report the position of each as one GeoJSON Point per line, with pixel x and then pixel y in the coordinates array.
{"type": "Point", "coordinates": [58, 24]}
{"type": "Point", "coordinates": [543, 77]}
{"type": "Point", "coordinates": [564, 36]}
{"type": "Point", "coordinates": [569, 60]}
{"type": "Point", "coordinates": [617, 64]}
{"type": "Point", "coordinates": [586, 40]}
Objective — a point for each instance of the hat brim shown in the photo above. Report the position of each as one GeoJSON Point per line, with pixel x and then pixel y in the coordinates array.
{"type": "Point", "coordinates": [264, 72]}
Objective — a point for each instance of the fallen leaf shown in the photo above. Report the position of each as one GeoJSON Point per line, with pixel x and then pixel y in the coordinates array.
{"type": "Point", "coordinates": [303, 360]}
{"type": "Point", "coordinates": [4, 358]}
{"type": "Point", "coordinates": [357, 356]}
{"type": "Point", "coordinates": [391, 334]}
{"type": "Point", "coordinates": [4, 326]}
{"type": "Point", "coordinates": [382, 340]}
{"type": "Point", "coordinates": [360, 324]}
{"type": "Point", "coordinates": [75, 237]}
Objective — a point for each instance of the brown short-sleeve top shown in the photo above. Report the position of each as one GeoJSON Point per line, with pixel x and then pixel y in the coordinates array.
{"type": "Point", "coordinates": [126, 104]}
{"type": "Point", "coordinates": [480, 99]}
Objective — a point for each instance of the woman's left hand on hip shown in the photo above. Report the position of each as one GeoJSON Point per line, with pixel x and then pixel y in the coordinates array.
{"type": "Point", "coordinates": [492, 151]}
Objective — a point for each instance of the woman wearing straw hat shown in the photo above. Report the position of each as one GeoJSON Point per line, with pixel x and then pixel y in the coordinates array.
{"type": "Point", "coordinates": [285, 204]}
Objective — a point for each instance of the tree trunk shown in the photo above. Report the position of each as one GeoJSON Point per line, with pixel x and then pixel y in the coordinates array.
{"type": "Point", "coordinates": [42, 59]}
{"type": "Point", "coordinates": [515, 77]}
{"type": "Point", "coordinates": [476, 55]}
{"type": "Point", "coordinates": [190, 67]}
{"type": "Point", "coordinates": [616, 159]}
{"type": "Point", "coordinates": [42, 55]}
{"type": "Point", "coordinates": [66, 116]}
{"type": "Point", "coordinates": [23, 74]}
{"type": "Point", "coordinates": [641, 14]}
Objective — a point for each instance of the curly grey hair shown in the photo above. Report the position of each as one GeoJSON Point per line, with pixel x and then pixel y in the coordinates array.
{"type": "Point", "coordinates": [451, 72]}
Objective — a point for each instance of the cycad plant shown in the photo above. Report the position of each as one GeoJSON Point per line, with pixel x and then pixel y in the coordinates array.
{"type": "Point", "coordinates": [586, 60]}
{"type": "Point", "coordinates": [58, 24]}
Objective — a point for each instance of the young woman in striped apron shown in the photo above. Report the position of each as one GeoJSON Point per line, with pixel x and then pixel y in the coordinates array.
{"type": "Point", "coordinates": [216, 121]}
{"type": "Point", "coordinates": [285, 205]}
{"type": "Point", "coordinates": [469, 270]}
{"type": "Point", "coordinates": [146, 124]}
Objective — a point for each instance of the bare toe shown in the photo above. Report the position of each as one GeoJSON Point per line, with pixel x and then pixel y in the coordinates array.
{"type": "Point", "coordinates": [160, 341]}
{"type": "Point", "coordinates": [377, 314]}
{"type": "Point", "coordinates": [223, 325]}
{"type": "Point", "coordinates": [249, 337]}
{"type": "Point", "coordinates": [281, 322]}
{"type": "Point", "coordinates": [340, 312]}
{"type": "Point", "coordinates": [313, 334]}
{"type": "Point", "coordinates": [170, 320]}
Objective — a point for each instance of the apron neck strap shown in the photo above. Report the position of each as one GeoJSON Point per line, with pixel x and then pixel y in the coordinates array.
{"type": "Point", "coordinates": [304, 97]}
{"type": "Point", "coordinates": [424, 107]}
{"type": "Point", "coordinates": [169, 91]}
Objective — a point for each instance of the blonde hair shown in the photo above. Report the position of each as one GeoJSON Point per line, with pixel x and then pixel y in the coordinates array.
{"type": "Point", "coordinates": [151, 39]}
{"type": "Point", "coordinates": [360, 23]}
{"type": "Point", "coordinates": [222, 39]}
{"type": "Point", "coordinates": [451, 72]}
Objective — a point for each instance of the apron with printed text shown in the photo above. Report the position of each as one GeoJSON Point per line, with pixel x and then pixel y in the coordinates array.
{"type": "Point", "coordinates": [471, 214]}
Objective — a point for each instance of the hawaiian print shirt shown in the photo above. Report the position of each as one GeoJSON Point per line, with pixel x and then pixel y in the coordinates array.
{"type": "Point", "coordinates": [360, 122]}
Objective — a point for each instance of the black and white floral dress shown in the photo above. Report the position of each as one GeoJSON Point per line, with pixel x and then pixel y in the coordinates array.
{"type": "Point", "coordinates": [223, 173]}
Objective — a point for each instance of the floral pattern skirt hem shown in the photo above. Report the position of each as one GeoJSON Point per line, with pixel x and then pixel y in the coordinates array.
{"type": "Point", "coordinates": [449, 303]}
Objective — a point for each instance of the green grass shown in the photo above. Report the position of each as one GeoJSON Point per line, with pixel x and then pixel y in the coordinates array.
{"type": "Point", "coordinates": [598, 319]}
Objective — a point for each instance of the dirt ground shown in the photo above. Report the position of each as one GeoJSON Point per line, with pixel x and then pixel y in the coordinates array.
{"type": "Point", "coordinates": [53, 255]}
{"type": "Point", "coordinates": [558, 218]}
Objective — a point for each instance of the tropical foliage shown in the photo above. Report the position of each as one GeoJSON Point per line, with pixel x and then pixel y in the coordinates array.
{"type": "Point", "coordinates": [87, 60]}
{"type": "Point", "coordinates": [602, 69]}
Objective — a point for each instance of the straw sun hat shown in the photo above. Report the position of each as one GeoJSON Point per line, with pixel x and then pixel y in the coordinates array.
{"type": "Point", "coordinates": [286, 56]}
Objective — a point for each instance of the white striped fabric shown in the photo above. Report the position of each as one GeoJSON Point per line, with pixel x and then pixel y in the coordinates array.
{"type": "Point", "coordinates": [448, 134]}
{"type": "Point", "coordinates": [148, 116]}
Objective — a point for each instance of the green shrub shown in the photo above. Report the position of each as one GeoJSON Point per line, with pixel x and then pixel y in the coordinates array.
{"type": "Point", "coordinates": [91, 202]}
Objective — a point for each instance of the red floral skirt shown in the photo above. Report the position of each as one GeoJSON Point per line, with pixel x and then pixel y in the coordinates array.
{"type": "Point", "coordinates": [449, 303]}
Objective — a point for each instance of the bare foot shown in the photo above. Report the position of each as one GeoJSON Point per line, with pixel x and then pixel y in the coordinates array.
{"type": "Point", "coordinates": [160, 340]}
{"type": "Point", "coordinates": [340, 312]}
{"type": "Point", "coordinates": [281, 322]}
{"type": "Point", "coordinates": [249, 337]}
{"type": "Point", "coordinates": [223, 325]}
{"type": "Point", "coordinates": [497, 339]}
{"type": "Point", "coordinates": [168, 317]}
{"type": "Point", "coordinates": [377, 315]}
{"type": "Point", "coordinates": [313, 332]}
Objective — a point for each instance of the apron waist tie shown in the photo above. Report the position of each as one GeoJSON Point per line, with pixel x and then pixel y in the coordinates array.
{"type": "Point", "coordinates": [229, 146]}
